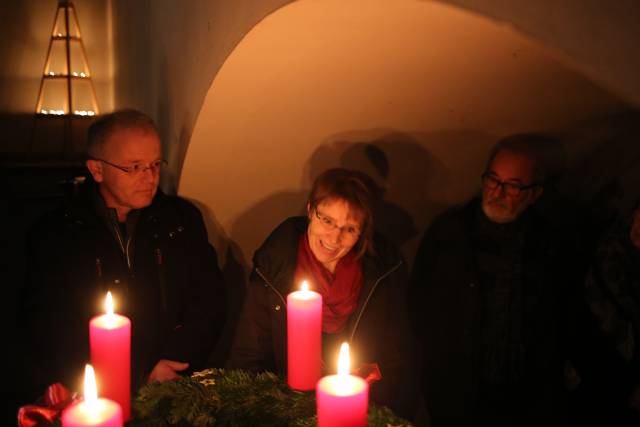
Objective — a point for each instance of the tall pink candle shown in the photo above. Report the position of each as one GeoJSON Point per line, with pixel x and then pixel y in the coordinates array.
{"type": "Point", "coordinates": [92, 412]}
{"type": "Point", "coordinates": [110, 342]}
{"type": "Point", "coordinates": [342, 400]}
{"type": "Point", "coordinates": [304, 338]}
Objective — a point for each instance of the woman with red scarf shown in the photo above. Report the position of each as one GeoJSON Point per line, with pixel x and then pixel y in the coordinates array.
{"type": "Point", "coordinates": [361, 277]}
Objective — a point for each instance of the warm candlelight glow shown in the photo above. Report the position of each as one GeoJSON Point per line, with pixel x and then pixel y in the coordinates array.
{"type": "Point", "coordinates": [94, 411]}
{"type": "Point", "coordinates": [108, 305]}
{"type": "Point", "coordinates": [342, 399]}
{"type": "Point", "coordinates": [111, 320]}
{"type": "Point", "coordinates": [90, 386]}
{"type": "Point", "coordinates": [63, 61]}
{"type": "Point", "coordinates": [305, 293]}
{"type": "Point", "coordinates": [343, 360]}
{"type": "Point", "coordinates": [54, 112]}
{"type": "Point", "coordinates": [83, 113]}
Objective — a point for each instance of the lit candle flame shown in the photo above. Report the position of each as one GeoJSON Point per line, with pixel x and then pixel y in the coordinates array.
{"type": "Point", "coordinates": [90, 387]}
{"type": "Point", "coordinates": [305, 286]}
{"type": "Point", "coordinates": [108, 305]}
{"type": "Point", "coordinates": [343, 361]}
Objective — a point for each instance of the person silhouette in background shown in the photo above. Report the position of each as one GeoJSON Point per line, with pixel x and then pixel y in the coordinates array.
{"type": "Point", "coordinates": [613, 293]}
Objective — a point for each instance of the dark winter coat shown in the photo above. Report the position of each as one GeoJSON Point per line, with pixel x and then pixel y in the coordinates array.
{"type": "Point", "coordinates": [166, 280]}
{"type": "Point", "coordinates": [446, 312]}
{"type": "Point", "coordinates": [377, 330]}
{"type": "Point", "coordinates": [612, 290]}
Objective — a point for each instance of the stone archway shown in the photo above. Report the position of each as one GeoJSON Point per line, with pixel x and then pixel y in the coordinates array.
{"type": "Point", "coordinates": [314, 84]}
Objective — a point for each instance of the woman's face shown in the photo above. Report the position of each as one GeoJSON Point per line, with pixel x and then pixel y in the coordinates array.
{"type": "Point", "coordinates": [334, 228]}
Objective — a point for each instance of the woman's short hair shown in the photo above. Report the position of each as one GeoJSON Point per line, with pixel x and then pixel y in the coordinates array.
{"type": "Point", "coordinates": [355, 188]}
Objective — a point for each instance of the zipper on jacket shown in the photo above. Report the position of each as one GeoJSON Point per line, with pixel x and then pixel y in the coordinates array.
{"type": "Point", "coordinates": [366, 301]}
{"type": "Point", "coordinates": [364, 306]}
{"type": "Point", "coordinates": [124, 247]}
{"type": "Point", "coordinates": [98, 268]}
{"type": "Point", "coordinates": [284, 303]}
{"type": "Point", "coordinates": [99, 280]}
{"type": "Point", "coordinates": [163, 284]}
{"type": "Point", "coordinates": [126, 252]}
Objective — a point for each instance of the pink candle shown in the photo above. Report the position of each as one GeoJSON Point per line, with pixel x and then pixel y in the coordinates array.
{"type": "Point", "coordinates": [304, 338]}
{"type": "Point", "coordinates": [342, 400]}
{"type": "Point", "coordinates": [92, 412]}
{"type": "Point", "coordinates": [110, 341]}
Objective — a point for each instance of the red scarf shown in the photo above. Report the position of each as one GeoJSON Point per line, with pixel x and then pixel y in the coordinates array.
{"type": "Point", "coordinates": [340, 290]}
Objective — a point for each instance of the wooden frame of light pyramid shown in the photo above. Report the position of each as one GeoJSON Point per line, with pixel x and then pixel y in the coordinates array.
{"type": "Point", "coordinates": [65, 35]}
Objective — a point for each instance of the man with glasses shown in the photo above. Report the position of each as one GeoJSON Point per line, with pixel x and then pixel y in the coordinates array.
{"type": "Point", "coordinates": [122, 234]}
{"type": "Point", "coordinates": [488, 300]}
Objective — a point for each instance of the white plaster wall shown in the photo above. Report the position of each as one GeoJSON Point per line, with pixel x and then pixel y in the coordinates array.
{"type": "Point", "coordinates": [167, 52]}
{"type": "Point", "coordinates": [600, 37]}
{"type": "Point", "coordinates": [429, 86]}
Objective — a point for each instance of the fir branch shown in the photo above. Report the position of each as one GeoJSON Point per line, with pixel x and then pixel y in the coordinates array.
{"type": "Point", "coordinates": [234, 398]}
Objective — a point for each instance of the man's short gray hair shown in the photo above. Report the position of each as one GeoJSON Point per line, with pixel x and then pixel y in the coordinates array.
{"type": "Point", "coordinates": [106, 125]}
{"type": "Point", "coordinates": [533, 146]}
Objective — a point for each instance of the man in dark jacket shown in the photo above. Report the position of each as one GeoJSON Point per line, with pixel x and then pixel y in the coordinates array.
{"type": "Point", "coordinates": [122, 234]}
{"type": "Point", "coordinates": [489, 296]}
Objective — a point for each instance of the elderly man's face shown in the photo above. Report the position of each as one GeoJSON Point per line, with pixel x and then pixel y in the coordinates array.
{"type": "Point", "coordinates": [127, 148]}
{"type": "Point", "coordinates": [514, 168]}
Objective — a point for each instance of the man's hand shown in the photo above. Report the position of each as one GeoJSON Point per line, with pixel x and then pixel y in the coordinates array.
{"type": "Point", "coordinates": [166, 370]}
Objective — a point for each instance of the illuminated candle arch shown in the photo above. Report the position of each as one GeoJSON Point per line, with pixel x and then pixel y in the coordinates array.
{"type": "Point", "coordinates": [66, 87]}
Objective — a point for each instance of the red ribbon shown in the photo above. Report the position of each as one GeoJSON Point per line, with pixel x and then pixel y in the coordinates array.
{"type": "Point", "coordinates": [55, 399]}
{"type": "Point", "coordinates": [370, 372]}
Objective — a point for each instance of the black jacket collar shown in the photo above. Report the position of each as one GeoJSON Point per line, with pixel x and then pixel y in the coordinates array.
{"type": "Point", "coordinates": [88, 207]}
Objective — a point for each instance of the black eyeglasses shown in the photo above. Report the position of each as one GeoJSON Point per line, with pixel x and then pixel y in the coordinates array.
{"type": "Point", "coordinates": [137, 168]}
{"type": "Point", "coordinates": [510, 188]}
